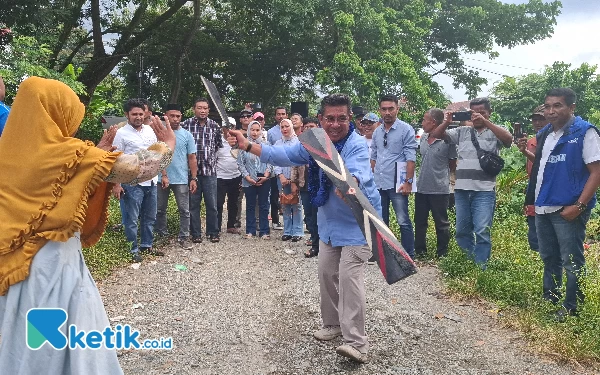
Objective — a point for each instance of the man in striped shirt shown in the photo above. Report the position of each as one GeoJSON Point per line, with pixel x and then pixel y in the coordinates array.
{"type": "Point", "coordinates": [208, 137]}
{"type": "Point", "coordinates": [475, 190]}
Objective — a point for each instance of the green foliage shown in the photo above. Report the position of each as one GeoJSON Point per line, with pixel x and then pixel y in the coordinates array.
{"type": "Point", "coordinates": [514, 98]}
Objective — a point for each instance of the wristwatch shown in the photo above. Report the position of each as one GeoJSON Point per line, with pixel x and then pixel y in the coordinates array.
{"type": "Point", "coordinates": [581, 206]}
{"type": "Point", "coordinates": [249, 147]}
{"type": "Point", "coordinates": [194, 179]}
{"type": "Point", "coordinates": [409, 180]}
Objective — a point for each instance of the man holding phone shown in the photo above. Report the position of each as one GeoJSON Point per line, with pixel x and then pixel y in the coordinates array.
{"type": "Point", "coordinates": [474, 192]}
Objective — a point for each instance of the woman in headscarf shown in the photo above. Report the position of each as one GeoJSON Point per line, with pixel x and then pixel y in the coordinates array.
{"type": "Point", "coordinates": [255, 178]}
{"type": "Point", "coordinates": [53, 200]}
{"type": "Point", "coordinates": [292, 213]}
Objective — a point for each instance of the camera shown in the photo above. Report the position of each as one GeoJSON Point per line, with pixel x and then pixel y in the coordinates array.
{"type": "Point", "coordinates": [461, 116]}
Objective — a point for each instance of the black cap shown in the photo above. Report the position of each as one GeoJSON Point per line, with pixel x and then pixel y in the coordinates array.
{"type": "Point", "coordinates": [248, 111]}
{"type": "Point", "coordinates": [358, 111]}
{"type": "Point", "coordinates": [174, 107]}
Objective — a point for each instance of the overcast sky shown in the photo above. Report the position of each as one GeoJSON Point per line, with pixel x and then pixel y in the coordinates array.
{"type": "Point", "coordinates": [576, 39]}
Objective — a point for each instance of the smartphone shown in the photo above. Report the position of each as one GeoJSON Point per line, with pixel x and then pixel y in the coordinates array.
{"type": "Point", "coordinates": [517, 131]}
{"type": "Point", "coordinates": [461, 116]}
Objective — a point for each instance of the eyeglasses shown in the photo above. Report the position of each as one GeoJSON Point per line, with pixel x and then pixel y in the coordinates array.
{"type": "Point", "coordinates": [385, 140]}
{"type": "Point", "coordinates": [340, 120]}
{"type": "Point", "coordinates": [245, 116]}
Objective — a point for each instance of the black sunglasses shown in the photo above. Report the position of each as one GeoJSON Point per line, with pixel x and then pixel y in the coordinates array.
{"type": "Point", "coordinates": [385, 140]}
{"type": "Point", "coordinates": [245, 116]}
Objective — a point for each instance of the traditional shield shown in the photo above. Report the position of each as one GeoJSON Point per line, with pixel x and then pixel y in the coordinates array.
{"type": "Point", "coordinates": [394, 263]}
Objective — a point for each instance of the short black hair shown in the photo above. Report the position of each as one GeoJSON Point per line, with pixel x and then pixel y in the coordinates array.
{"type": "Point", "coordinates": [147, 103]}
{"type": "Point", "coordinates": [388, 98]}
{"type": "Point", "coordinates": [134, 103]}
{"type": "Point", "coordinates": [437, 115]}
{"type": "Point", "coordinates": [310, 120]}
{"type": "Point", "coordinates": [280, 107]}
{"type": "Point", "coordinates": [564, 92]}
{"type": "Point", "coordinates": [480, 101]}
{"type": "Point", "coordinates": [202, 99]}
{"type": "Point", "coordinates": [296, 114]}
{"type": "Point", "coordinates": [336, 100]}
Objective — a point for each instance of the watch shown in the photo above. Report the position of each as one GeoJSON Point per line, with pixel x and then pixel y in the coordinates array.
{"type": "Point", "coordinates": [409, 180]}
{"type": "Point", "coordinates": [249, 147]}
{"type": "Point", "coordinates": [194, 179]}
{"type": "Point", "coordinates": [581, 206]}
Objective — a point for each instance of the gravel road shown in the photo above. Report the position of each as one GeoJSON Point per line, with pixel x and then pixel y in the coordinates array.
{"type": "Point", "coordinates": [249, 307]}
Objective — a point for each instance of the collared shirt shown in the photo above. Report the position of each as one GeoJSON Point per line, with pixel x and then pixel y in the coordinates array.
{"type": "Point", "coordinates": [335, 219]}
{"type": "Point", "coordinates": [399, 145]}
{"type": "Point", "coordinates": [227, 167]}
{"type": "Point", "coordinates": [131, 141]}
{"type": "Point", "coordinates": [591, 153]}
{"type": "Point", "coordinates": [434, 174]}
{"type": "Point", "coordinates": [252, 165]}
{"type": "Point", "coordinates": [274, 134]}
{"type": "Point", "coordinates": [177, 171]}
{"type": "Point", "coordinates": [4, 111]}
{"type": "Point", "coordinates": [208, 139]}
{"type": "Point", "coordinates": [469, 175]}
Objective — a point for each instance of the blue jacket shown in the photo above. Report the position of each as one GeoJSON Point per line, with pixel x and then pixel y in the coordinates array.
{"type": "Point", "coordinates": [565, 173]}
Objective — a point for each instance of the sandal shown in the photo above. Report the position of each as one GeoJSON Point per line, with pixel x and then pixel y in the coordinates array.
{"type": "Point", "coordinates": [265, 237]}
{"type": "Point", "coordinates": [249, 236]}
{"type": "Point", "coordinates": [308, 242]}
{"type": "Point", "coordinates": [311, 253]}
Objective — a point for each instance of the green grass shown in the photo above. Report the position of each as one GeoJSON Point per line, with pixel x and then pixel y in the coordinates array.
{"type": "Point", "coordinates": [513, 279]}
{"type": "Point", "coordinates": [113, 249]}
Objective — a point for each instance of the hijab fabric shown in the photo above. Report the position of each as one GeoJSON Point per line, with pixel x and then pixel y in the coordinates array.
{"type": "Point", "coordinates": [52, 183]}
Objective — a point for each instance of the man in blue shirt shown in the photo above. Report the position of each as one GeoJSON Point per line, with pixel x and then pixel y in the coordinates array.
{"type": "Point", "coordinates": [273, 135]}
{"type": "Point", "coordinates": [393, 143]}
{"type": "Point", "coordinates": [175, 178]}
{"type": "Point", "coordinates": [343, 250]}
{"type": "Point", "coordinates": [4, 109]}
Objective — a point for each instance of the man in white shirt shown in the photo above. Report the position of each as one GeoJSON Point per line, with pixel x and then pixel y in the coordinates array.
{"type": "Point", "coordinates": [139, 200]}
{"type": "Point", "coordinates": [562, 185]}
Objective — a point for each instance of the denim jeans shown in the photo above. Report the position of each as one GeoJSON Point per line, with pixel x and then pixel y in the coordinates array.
{"type": "Point", "coordinates": [400, 204]}
{"type": "Point", "coordinates": [262, 193]}
{"type": "Point", "coordinates": [310, 218]}
{"type": "Point", "coordinates": [561, 246]}
{"type": "Point", "coordinates": [140, 202]}
{"type": "Point", "coordinates": [274, 200]}
{"type": "Point", "coordinates": [182, 197]}
{"type": "Point", "coordinates": [532, 234]}
{"type": "Point", "coordinates": [474, 217]}
{"type": "Point", "coordinates": [207, 188]}
{"type": "Point", "coordinates": [231, 189]}
{"type": "Point", "coordinates": [292, 217]}
{"type": "Point", "coordinates": [438, 205]}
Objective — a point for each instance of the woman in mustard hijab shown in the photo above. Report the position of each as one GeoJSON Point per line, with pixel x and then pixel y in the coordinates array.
{"type": "Point", "coordinates": [54, 195]}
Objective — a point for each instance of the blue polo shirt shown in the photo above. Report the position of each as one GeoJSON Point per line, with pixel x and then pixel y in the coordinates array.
{"type": "Point", "coordinates": [177, 171]}
{"type": "Point", "coordinates": [335, 219]}
{"type": "Point", "coordinates": [4, 111]}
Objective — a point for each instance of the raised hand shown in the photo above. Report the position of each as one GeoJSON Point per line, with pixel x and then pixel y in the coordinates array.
{"type": "Point", "coordinates": [236, 137]}
{"type": "Point", "coordinates": [163, 133]}
{"type": "Point", "coordinates": [108, 137]}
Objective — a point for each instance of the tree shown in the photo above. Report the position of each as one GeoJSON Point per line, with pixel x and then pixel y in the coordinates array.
{"type": "Point", "coordinates": [514, 98]}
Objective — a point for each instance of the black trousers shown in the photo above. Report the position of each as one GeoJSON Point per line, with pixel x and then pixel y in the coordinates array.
{"type": "Point", "coordinates": [275, 201]}
{"type": "Point", "coordinates": [438, 205]}
{"type": "Point", "coordinates": [231, 189]}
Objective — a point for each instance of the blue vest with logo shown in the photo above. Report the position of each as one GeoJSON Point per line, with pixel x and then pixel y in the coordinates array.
{"type": "Point", "coordinates": [565, 173]}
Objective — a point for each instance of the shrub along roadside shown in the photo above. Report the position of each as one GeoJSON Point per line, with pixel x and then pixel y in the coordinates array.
{"type": "Point", "coordinates": [513, 279]}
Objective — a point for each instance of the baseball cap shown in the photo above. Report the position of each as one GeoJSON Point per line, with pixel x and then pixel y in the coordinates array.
{"type": "Point", "coordinates": [358, 111]}
{"type": "Point", "coordinates": [370, 117]}
{"type": "Point", "coordinates": [539, 110]}
{"type": "Point", "coordinates": [232, 121]}
{"type": "Point", "coordinates": [258, 115]}
{"type": "Point", "coordinates": [246, 112]}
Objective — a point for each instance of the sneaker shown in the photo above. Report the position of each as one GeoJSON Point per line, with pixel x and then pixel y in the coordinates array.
{"type": "Point", "coordinates": [277, 226]}
{"type": "Point", "coordinates": [233, 231]}
{"type": "Point", "coordinates": [214, 238]}
{"type": "Point", "coordinates": [352, 353]}
{"type": "Point", "coordinates": [296, 238]}
{"type": "Point", "coordinates": [286, 237]}
{"type": "Point", "coordinates": [136, 258]}
{"type": "Point", "coordinates": [328, 333]}
{"type": "Point", "coordinates": [371, 260]}
{"type": "Point", "coordinates": [151, 251]}
{"type": "Point", "coordinates": [185, 244]}
{"type": "Point", "coordinates": [197, 239]}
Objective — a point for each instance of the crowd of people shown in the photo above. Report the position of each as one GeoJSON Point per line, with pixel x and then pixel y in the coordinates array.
{"type": "Point", "coordinates": [207, 165]}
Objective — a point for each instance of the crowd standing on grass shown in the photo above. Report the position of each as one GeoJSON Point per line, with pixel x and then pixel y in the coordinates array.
{"type": "Point", "coordinates": [201, 162]}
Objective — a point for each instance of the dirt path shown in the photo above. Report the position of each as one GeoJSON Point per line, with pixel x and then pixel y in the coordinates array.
{"type": "Point", "coordinates": [248, 307]}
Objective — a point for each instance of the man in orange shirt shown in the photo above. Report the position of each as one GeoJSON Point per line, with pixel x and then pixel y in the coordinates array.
{"type": "Point", "coordinates": [528, 147]}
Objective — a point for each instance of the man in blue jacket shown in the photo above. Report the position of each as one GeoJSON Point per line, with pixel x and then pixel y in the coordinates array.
{"type": "Point", "coordinates": [562, 186]}
{"type": "Point", "coordinates": [343, 250]}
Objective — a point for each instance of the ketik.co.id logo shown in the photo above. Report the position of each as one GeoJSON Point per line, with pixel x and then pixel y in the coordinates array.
{"type": "Point", "coordinates": [44, 325]}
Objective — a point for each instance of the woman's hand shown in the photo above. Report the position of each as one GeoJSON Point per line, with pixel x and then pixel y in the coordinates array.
{"type": "Point", "coordinates": [284, 180]}
{"type": "Point", "coordinates": [163, 133]}
{"type": "Point", "coordinates": [108, 137]}
{"type": "Point", "coordinates": [251, 180]}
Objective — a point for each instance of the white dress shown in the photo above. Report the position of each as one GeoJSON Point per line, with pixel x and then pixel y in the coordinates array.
{"type": "Point", "coordinates": [58, 277]}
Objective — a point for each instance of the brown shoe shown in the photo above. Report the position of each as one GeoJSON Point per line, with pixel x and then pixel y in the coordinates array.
{"type": "Point", "coordinates": [233, 231]}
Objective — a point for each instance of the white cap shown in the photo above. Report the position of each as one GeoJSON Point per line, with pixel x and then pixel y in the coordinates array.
{"type": "Point", "coordinates": [232, 121]}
